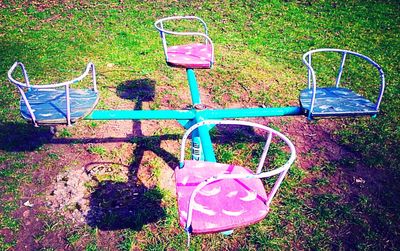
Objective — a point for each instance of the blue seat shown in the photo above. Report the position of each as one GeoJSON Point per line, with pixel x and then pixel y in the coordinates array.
{"type": "Point", "coordinates": [333, 101]}
{"type": "Point", "coordinates": [55, 103]}
{"type": "Point", "coordinates": [49, 105]}
{"type": "Point", "coordinates": [317, 101]}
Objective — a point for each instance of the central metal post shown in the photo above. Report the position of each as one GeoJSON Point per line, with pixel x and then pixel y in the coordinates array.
{"type": "Point", "coordinates": [194, 88]}
{"type": "Point", "coordinates": [202, 148]}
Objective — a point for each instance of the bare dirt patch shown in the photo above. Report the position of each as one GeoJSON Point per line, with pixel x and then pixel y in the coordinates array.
{"type": "Point", "coordinates": [105, 174]}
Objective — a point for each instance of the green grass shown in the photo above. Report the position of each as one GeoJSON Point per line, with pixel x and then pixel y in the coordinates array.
{"type": "Point", "coordinates": [99, 150]}
{"type": "Point", "coordinates": [12, 176]}
{"type": "Point", "coordinates": [258, 62]}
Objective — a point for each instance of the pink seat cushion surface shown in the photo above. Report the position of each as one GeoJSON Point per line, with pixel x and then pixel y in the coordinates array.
{"type": "Point", "coordinates": [190, 56]}
{"type": "Point", "coordinates": [221, 205]}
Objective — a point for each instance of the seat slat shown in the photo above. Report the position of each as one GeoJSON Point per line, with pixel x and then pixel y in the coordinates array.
{"type": "Point", "coordinates": [49, 105]}
{"type": "Point", "coordinates": [336, 101]}
{"type": "Point", "coordinates": [221, 205]}
{"type": "Point", "coordinates": [194, 56]}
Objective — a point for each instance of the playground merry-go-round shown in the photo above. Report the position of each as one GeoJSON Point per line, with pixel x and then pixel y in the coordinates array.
{"type": "Point", "coordinates": [212, 197]}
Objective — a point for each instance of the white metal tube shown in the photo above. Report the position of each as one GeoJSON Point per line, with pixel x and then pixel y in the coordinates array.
{"type": "Point", "coordinates": [309, 71]}
{"type": "Point", "coordinates": [264, 154]}
{"type": "Point", "coordinates": [382, 74]}
{"type": "Point", "coordinates": [159, 26]}
{"type": "Point", "coordinates": [160, 21]}
{"type": "Point", "coordinates": [12, 80]}
{"type": "Point", "coordinates": [68, 105]}
{"type": "Point", "coordinates": [314, 81]}
{"type": "Point", "coordinates": [31, 112]}
{"type": "Point", "coordinates": [341, 69]}
{"type": "Point", "coordinates": [275, 187]}
{"type": "Point", "coordinates": [94, 77]}
{"type": "Point", "coordinates": [24, 73]}
{"type": "Point", "coordinates": [164, 41]}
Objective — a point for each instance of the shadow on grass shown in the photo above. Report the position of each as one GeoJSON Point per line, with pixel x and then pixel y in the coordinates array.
{"type": "Point", "coordinates": [139, 90]}
{"type": "Point", "coordinates": [115, 206]}
{"type": "Point", "coordinates": [123, 205]}
{"type": "Point", "coordinates": [18, 137]}
{"type": "Point", "coordinates": [143, 90]}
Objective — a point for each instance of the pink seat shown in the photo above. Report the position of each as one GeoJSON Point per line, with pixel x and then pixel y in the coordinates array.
{"type": "Point", "coordinates": [223, 204]}
{"type": "Point", "coordinates": [215, 197]}
{"type": "Point", "coordinates": [194, 56]}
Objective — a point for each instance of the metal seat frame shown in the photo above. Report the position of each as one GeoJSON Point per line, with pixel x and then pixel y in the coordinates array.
{"type": "Point", "coordinates": [312, 82]}
{"type": "Point", "coordinates": [259, 174]}
{"type": "Point", "coordinates": [159, 25]}
{"type": "Point", "coordinates": [67, 85]}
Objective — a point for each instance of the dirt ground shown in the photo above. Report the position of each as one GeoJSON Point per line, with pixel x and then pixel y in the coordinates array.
{"type": "Point", "coordinates": [72, 191]}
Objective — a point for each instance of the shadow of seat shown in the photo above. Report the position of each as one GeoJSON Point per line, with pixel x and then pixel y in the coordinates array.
{"type": "Point", "coordinates": [20, 137]}
{"type": "Point", "coordinates": [123, 205]}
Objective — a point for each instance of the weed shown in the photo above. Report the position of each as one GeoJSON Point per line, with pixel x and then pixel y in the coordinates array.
{"type": "Point", "coordinates": [315, 169]}
{"type": "Point", "coordinates": [322, 182]}
{"type": "Point", "coordinates": [93, 124]}
{"type": "Point", "coordinates": [73, 238]}
{"type": "Point", "coordinates": [90, 186]}
{"type": "Point", "coordinates": [39, 237]}
{"type": "Point", "coordinates": [128, 240]}
{"type": "Point", "coordinates": [364, 201]}
{"type": "Point", "coordinates": [155, 105]}
{"type": "Point", "coordinates": [91, 247]}
{"type": "Point", "coordinates": [50, 225]}
{"type": "Point", "coordinates": [4, 245]}
{"type": "Point", "coordinates": [53, 156]}
{"type": "Point", "coordinates": [154, 194]}
{"type": "Point", "coordinates": [64, 133]}
{"type": "Point", "coordinates": [99, 150]}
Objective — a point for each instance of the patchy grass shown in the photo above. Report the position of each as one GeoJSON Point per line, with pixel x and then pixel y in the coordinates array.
{"type": "Point", "coordinates": [12, 178]}
{"type": "Point", "coordinates": [258, 63]}
{"type": "Point", "coordinates": [99, 150]}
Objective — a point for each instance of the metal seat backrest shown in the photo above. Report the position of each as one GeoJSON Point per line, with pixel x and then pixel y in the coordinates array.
{"type": "Point", "coordinates": [312, 79]}
{"type": "Point", "coordinates": [192, 55]}
{"type": "Point", "coordinates": [51, 94]}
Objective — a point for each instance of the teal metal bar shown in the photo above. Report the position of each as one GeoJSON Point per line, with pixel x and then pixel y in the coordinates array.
{"type": "Point", "coordinates": [141, 114]}
{"type": "Point", "coordinates": [191, 114]}
{"type": "Point", "coordinates": [197, 152]}
{"type": "Point", "coordinates": [250, 112]}
{"type": "Point", "coordinates": [206, 144]}
{"type": "Point", "coordinates": [201, 142]}
{"type": "Point", "coordinates": [194, 88]}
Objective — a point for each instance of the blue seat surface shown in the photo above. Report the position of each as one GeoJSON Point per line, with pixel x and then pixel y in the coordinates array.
{"type": "Point", "coordinates": [50, 105]}
{"type": "Point", "coordinates": [331, 101]}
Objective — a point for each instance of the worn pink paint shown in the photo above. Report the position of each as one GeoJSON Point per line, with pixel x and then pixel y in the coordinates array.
{"type": "Point", "coordinates": [193, 56]}
{"type": "Point", "coordinates": [222, 205]}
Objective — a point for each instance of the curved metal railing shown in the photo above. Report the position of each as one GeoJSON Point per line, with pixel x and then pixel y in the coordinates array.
{"type": "Point", "coordinates": [312, 82]}
{"type": "Point", "coordinates": [282, 170]}
{"type": "Point", "coordinates": [159, 25]}
{"type": "Point", "coordinates": [89, 67]}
